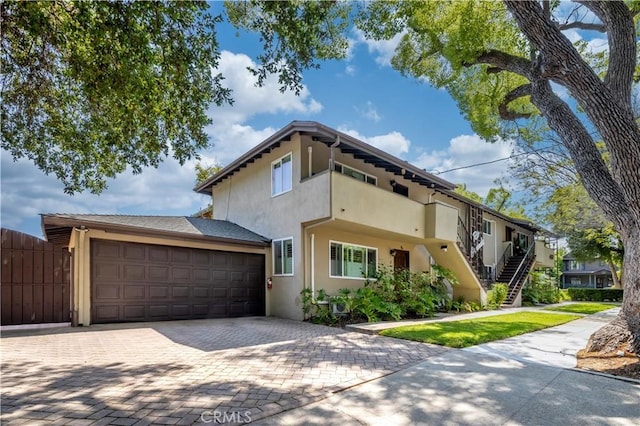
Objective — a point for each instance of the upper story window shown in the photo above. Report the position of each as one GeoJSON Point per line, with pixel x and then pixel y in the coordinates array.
{"type": "Point", "coordinates": [281, 175]}
{"type": "Point", "coordinates": [351, 261]}
{"type": "Point", "coordinates": [486, 227]}
{"type": "Point", "coordinates": [283, 256]}
{"type": "Point", "coordinates": [574, 265]}
{"type": "Point", "coordinates": [356, 174]}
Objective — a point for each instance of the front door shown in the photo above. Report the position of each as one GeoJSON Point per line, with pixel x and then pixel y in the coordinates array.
{"type": "Point", "coordinates": [401, 260]}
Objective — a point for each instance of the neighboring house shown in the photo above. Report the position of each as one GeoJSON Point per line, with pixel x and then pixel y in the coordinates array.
{"type": "Point", "coordinates": [591, 274]}
{"type": "Point", "coordinates": [335, 208]}
{"type": "Point", "coordinates": [310, 207]}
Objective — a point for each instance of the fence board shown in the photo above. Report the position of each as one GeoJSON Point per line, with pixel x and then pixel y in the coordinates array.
{"type": "Point", "coordinates": [36, 280]}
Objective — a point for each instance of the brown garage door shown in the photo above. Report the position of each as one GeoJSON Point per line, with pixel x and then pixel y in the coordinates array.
{"type": "Point", "coordinates": [144, 282]}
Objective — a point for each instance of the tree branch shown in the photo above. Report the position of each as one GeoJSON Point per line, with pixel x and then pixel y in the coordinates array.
{"type": "Point", "coordinates": [582, 26]}
{"type": "Point", "coordinates": [593, 171]}
{"type": "Point", "coordinates": [505, 61]}
{"type": "Point", "coordinates": [621, 34]}
{"type": "Point", "coordinates": [518, 92]}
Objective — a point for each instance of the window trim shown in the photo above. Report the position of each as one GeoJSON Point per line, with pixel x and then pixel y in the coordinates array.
{"type": "Point", "coordinates": [366, 175]}
{"type": "Point", "coordinates": [279, 160]}
{"type": "Point", "coordinates": [273, 257]}
{"type": "Point", "coordinates": [342, 244]}
{"type": "Point", "coordinates": [492, 225]}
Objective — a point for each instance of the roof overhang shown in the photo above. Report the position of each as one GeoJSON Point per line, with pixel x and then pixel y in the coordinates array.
{"type": "Point", "coordinates": [57, 229]}
{"type": "Point", "coordinates": [330, 137]}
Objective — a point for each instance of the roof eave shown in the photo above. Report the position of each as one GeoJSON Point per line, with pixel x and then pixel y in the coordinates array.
{"type": "Point", "coordinates": [59, 221]}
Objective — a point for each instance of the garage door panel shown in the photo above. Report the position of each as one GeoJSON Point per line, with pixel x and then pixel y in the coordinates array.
{"type": "Point", "coordinates": [135, 292]}
{"type": "Point", "coordinates": [133, 272]}
{"type": "Point", "coordinates": [158, 292]}
{"type": "Point", "coordinates": [179, 255]}
{"type": "Point", "coordinates": [200, 292]}
{"type": "Point", "coordinates": [159, 273]}
{"type": "Point", "coordinates": [140, 282]}
{"type": "Point", "coordinates": [107, 271]}
{"type": "Point", "coordinates": [180, 292]}
{"type": "Point", "coordinates": [201, 275]}
{"type": "Point", "coordinates": [107, 313]}
{"type": "Point", "coordinates": [181, 274]}
{"type": "Point", "coordinates": [158, 254]}
{"type": "Point", "coordinates": [134, 252]}
{"type": "Point", "coordinates": [134, 312]}
{"type": "Point", "coordinates": [160, 311]}
{"type": "Point", "coordinates": [180, 311]}
{"type": "Point", "coordinates": [107, 292]}
{"type": "Point", "coordinates": [108, 249]}
{"type": "Point", "coordinates": [200, 258]}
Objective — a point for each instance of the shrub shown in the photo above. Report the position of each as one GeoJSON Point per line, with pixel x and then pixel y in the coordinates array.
{"type": "Point", "coordinates": [541, 288]}
{"type": "Point", "coordinates": [497, 295]}
{"type": "Point", "coordinates": [596, 294]}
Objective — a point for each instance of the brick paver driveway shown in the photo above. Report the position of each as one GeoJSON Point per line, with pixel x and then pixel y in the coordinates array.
{"type": "Point", "coordinates": [186, 372]}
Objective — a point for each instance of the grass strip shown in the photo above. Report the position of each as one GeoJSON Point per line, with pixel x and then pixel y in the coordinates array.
{"type": "Point", "coordinates": [464, 333]}
{"type": "Point", "coordinates": [583, 308]}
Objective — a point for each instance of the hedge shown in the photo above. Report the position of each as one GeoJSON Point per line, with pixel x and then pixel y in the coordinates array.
{"type": "Point", "coordinates": [596, 295]}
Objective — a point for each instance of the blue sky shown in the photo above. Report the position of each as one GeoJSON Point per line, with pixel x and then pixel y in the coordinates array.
{"type": "Point", "coordinates": [362, 96]}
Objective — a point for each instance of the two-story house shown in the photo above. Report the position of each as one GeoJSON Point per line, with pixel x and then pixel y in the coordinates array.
{"type": "Point", "coordinates": [310, 207]}
{"type": "Point", "coordinates": [336, 207]}
{"type": "Point", "coordinates": [585, 274]}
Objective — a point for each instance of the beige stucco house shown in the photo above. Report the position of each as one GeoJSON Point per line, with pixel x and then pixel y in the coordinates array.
{"type": "Point", "coordinates": [335, 207]}
{"type": "Point", "coordinates": [310, 207]}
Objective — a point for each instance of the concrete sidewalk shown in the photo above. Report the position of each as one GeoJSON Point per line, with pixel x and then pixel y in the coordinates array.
{"type": "Point", "coordinates": [518, 381]}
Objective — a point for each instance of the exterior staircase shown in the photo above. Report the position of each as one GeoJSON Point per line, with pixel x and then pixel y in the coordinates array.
{"type": "Point", "coordinates": [515, 273]}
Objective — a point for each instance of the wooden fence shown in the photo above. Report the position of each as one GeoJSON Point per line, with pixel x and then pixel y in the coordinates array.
{"type": "Point", "coordinates": [36, 279]}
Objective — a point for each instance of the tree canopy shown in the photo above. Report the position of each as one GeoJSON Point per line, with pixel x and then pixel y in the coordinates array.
{"type": "Point", "coordinates": [89, 88]}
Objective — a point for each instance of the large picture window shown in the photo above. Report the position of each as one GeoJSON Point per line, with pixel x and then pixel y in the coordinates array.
{"type": "Point", "coordinates": [281, 175]}
{"type": "Point", "coordinates": [283, 256]}
{"type": "Point", "coordinates": [351, 261]}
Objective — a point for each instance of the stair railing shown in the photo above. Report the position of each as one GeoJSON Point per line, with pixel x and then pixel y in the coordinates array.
{"type": "Point", "coordinates": [464, 237]}
{"type": "Point", "coordinates": [503, 259]}
{"type": "Point", "coordinates": [521, 268]}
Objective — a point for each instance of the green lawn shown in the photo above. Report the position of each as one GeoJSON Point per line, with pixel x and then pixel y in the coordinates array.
{"type": "Point", "coordinates": [460, 334]}
{"type": "Point", "coordinates": [583, 308]}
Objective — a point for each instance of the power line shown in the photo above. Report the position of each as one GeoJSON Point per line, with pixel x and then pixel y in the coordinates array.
{"type": "Point", "coordinates": [485, 163]}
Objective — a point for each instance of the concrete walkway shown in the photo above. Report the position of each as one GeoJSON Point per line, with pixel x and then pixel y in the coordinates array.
{"type": "Point", "coordinates": [519, 381]}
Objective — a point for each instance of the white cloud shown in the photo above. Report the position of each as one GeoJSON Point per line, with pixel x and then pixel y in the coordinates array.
{"type": "Point", "coordinates": [394, 142]}
{"type": "Point", "coordinates": [468, 150]}
{"type": "Point", "coordinates": [350, 70]}
{"type": "Point", "coordinates": [26, 192]}
{"type": "Point", "coordinates": [383, 50]}
{"type": "Point", "coordinates": [369, 112]}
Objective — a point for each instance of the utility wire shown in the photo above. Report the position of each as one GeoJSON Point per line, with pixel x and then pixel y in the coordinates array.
{"type": "Point", "coordinates": [486, 162]}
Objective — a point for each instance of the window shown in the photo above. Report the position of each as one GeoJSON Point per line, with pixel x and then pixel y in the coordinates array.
{"type": "Point", "coordinates": [283, 257]}
{"type": "Point", "coordinates": [486, 227]}
{"type": "Point", "coordinates": [576, 282]}
{"type": "Point", "coordinates": [281, 175]}
{"type": "Point", "coordinates": [351, 261]}
{"type": "Point", "coordinates": [575, 265]}
{"type": "Point", "coordinates": [356, 174]}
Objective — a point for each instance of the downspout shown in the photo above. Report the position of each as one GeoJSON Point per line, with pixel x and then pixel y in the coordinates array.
{"type": "Point", "coordinates": [313, 265]}
{"type": "Point", "coordinates": [310, 151]}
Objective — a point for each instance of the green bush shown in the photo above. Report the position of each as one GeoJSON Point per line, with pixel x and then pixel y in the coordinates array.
{"type": "Point", "coordinates": [596, 294]}
{"type": "Point", "coordinates": [541, 288]}
{"type": "Point", "coordinates": [497, 295]}
{"type": "Point", "coordinates": [392, 295]}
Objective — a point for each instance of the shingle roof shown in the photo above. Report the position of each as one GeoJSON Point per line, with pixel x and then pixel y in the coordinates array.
{"type": "Point", "coordinates": [217, 230]}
